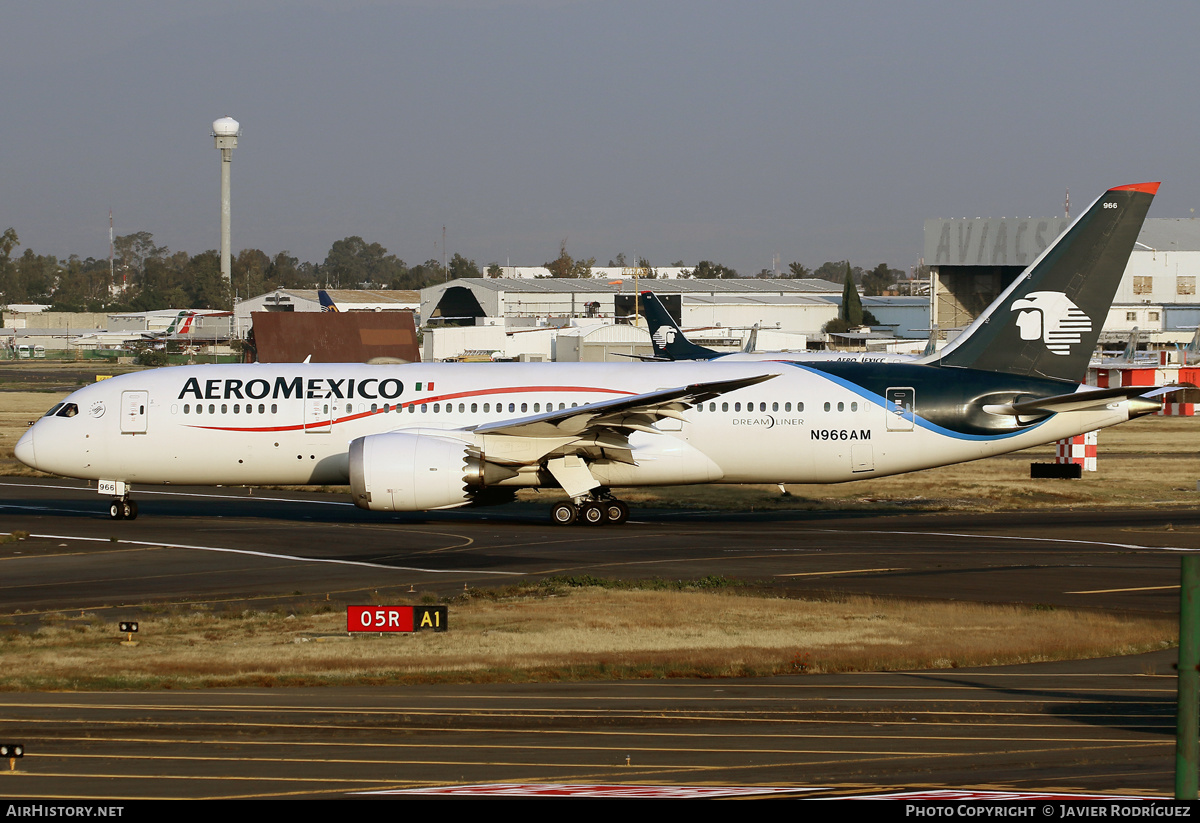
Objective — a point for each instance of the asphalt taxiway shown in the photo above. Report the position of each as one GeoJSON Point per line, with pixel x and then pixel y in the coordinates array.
{"type": "Point", "coordinates": [1097, 725]}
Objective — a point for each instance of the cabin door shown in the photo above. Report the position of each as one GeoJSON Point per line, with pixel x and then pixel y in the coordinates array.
{"type": "Point", "coordinates": [318, 415]}
{"type": "Point", "coordinates": [135, 407]}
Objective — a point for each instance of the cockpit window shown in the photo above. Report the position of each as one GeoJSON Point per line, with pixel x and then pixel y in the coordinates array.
{"type": "Point", "coordinates": [68, 410]}
{"type": "Point", "coordinates": [55, 408]}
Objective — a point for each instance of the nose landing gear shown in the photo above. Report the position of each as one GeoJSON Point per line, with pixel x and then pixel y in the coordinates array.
{"type": "Point", "coordinates": [123, 509]}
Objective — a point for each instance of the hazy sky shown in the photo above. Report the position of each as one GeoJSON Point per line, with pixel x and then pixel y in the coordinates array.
{"type": "Point", "coordinates": [677, 129]}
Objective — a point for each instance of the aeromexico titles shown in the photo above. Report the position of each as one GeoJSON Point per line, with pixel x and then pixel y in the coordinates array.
{"type": "Point", "coordinates": [421, 436]}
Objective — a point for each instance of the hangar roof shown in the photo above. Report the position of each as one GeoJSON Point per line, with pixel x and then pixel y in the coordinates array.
{"type": "Point", "coordinates": [1171, 234]}
{"type": "Point", "coordinates": [739, 285]}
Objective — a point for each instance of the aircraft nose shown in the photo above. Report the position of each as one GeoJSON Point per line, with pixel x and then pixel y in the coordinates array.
{"type": "Point", "coordinates": [24, 449]}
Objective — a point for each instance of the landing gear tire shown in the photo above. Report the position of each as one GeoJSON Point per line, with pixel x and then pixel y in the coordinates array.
{"type": "Point", "coordinates": [123, 510]}
{"type": "Point", "coordinates": [616, 512]}
{"type": "Point", "coordinates": [592, 513]}
{"type": "Point", "coordinates": [564, 514]}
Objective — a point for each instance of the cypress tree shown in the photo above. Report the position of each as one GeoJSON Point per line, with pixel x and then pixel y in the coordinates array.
{"type": "Point", "coordinates": [852, 310]}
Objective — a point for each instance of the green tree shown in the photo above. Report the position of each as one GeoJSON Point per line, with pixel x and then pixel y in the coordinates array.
{"type": "Point", "coordinates": [203, 283]}
{"type": "Point", "coordinates": [287, 272]}
{"type": "Point", "coordinates": [494, 270]}
{"type": "Point", "coordinates": [851, 311]}
{"type": "Point", "coordinates": [249, 272]}
{"type": "Point", "coordinates": [354, 263]}
{"type": "Point", "coordinates": [418, 277]}
{"type": "Point", "coordinates": [82, 285]}
{"type": "Point", "coordinates": [160, 284]}
{"type": "Point", "coordinates": [131, 251]}
{"type": "Point", "coordinates": [8, 242]}
{"type": "Point", "coordinates": [36, 276]}
{"type": "Point", "coordinates": [646, 270]}
{"type": "Point", "coordinates": [708, 270]}
{"type": "Point", "coordinates": [566, 266]}
{"type": "Point", "coordinates": [462, 267]}
{"type": "Point", "coordinates": [798, 271]}
{"type": "Point", "coordinates": [878, 280]}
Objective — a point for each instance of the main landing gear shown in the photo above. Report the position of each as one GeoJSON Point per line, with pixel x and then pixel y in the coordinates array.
{"type": "Point", "coordinates": [590, 512]}
{"type": "Point", "coordinates": [123, 508]}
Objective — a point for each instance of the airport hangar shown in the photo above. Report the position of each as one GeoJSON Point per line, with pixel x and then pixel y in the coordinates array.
{"type": "Point", "coordinates": [522, 317]}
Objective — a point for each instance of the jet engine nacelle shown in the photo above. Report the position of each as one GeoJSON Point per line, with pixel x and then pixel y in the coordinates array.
{"type": "Point", "coordinates": [408, 472]}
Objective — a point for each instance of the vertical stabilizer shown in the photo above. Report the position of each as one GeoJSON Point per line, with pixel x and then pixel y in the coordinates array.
{"type": "Point", "coordinates": [327, 303]}
{"type": "Point", "coordinates": [668, 339]}
{"type": "Point", "coordinates": [1047, 322]}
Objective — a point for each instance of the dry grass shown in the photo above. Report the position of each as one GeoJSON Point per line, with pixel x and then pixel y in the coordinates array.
{"type": "Point", "coordinates": [557, 634]}
{"type": "Point", "coordinates": [17, 410]}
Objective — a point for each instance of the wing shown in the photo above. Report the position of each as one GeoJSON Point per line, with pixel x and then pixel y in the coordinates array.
{"type": "Point", "coordinates": [637, 412]}
{"type": "Point", "coordinates": [566, 442]}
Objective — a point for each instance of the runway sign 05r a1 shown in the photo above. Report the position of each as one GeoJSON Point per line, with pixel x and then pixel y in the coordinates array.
{"type": "Point", "coordinates": [396, 618]}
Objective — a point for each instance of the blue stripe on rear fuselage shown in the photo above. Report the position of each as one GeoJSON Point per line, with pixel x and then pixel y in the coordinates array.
{"type": "Point", "coordinates": [891, 408]}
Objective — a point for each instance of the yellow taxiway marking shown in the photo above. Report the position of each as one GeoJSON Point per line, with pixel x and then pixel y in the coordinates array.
{"type": "Point", "coordinates": [1136, 589]}
{"type": "Point", "coordinates": [843, 571]}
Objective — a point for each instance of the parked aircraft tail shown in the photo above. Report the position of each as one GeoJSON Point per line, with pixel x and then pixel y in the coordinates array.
{"type": "Point", "coordinates": [1131, 346]}
{"type": "Point", "coordinates": [1191, 352]}
{"type": "Point", "coordinates": [1048, 321]}
{"type": "Point", "coordinates": [668, 339]}
{"type": "Point", "coordinates": [931, 344]}
{"type": "Point", "coordinates": [327, 303]}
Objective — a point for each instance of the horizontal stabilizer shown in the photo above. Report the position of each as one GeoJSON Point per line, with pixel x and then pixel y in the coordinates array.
{"type": "Point", "coordinates": [1088, 401]}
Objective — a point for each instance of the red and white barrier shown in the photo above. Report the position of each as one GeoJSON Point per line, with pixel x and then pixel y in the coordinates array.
{"type": "Point", "coordinates": [1177, 410]}
{"type": "Point", "coordinates": [1080, 449]}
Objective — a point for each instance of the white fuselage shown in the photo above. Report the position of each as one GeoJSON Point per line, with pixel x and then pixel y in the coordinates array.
{"type": "Point", "coordinates": [293, 423]}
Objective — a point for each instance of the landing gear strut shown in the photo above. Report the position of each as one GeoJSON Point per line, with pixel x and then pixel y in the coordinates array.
{"type": "Point", "coordinates": [590, 511]}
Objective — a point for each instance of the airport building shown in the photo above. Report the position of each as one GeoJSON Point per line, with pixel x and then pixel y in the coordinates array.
{"type": "Point", "coordinates": [559, 318]}
{"type": "Point", "coordinates": [306, 300]}
{"type": "Point", "coordinates": [973, 260]}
